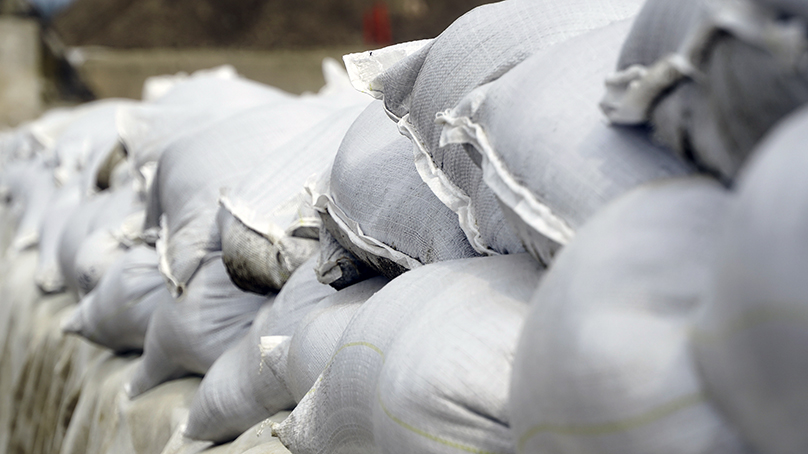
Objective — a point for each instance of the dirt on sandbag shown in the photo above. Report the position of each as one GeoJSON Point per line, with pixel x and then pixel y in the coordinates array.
{"type": "Point", "coordinates": [252, 24]}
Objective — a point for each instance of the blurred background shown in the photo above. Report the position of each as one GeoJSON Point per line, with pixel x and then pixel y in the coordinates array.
{"type": "Point", "coordinates": [57, 52]}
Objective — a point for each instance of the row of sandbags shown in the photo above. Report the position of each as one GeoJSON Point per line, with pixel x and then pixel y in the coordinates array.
{"type": "Point", "coordinates": [363, 261]}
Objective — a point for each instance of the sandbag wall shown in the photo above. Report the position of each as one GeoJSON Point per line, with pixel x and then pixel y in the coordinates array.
{"type": "Point", "coordinates": [559, 226]}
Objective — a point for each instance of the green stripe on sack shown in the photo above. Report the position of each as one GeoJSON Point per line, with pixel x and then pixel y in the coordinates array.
{"type": "Point", "coordinates": [428, 435]}
{"type": "Point", "coordinates": [616, 426]}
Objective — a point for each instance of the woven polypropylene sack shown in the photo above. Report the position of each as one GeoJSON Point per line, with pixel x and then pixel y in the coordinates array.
{"type": "Point", "coordinates": [186, 336]}
{"type": "Point", "coordinates": [476, 49]}
{"type": "Point", "coordinates": [713, 77]}
{"type": "Point", "coordinates": [193, 170]}
{"type": "Point", "coordinates": [247, 384]}
{"type": "Point", "coordinates": [423, 366]}
{"type": "Point", "coordinates": [750, 339]}
{"type": "Point", "coordinates": [546, 151]}
{"type": "Point", "coordinates": [275, 228]}
{"type": "Point", "coordinates": [116, 313]}
{"type": "Point", "coordinates": [313, 342]}
{"type": "Point", "coordinates": [336, 266]}
{"type": "Point", "coordinates": [604, 364]}
{"type": "Point", "coordinates": [391, 221]}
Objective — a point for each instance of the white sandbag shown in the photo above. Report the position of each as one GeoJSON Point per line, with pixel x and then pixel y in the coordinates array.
{"type": "Point", "coordinates": [76, 229]}
{"type": "Point", "coordinates": [27, 187]}
{"type": "Point", "coordinates": [711, 76]}
{"type": "Point", "coordinates": [391, 221]}
{"type": "Point", "coordinates": [63, 202]}
{"type": "Point", "coordinates": [190, 106]}
{"type": "Point", "coordinates": [192, 171]}
{"type": "Point", "coordinates": [751, 337]}
{"type": "Point", "coordinates": [248, 382]}
{"type": "Point", "coordinates": [546, 151]}
{"type": "Point", "coordinates": [86, 142]}
{"type": "Point", "coordinates": [477, 48]}
{"type": "Point", "coordinates": [116, 313]}
{"type": "Point", "coordinates": [423, 366]}
{"type": "Point", "coordinates": [271, 228]}
{"type": "Point", "coordinates": [104, 241]}
{"type": "Point", "coordinates": [313, 342]}
{"type": "Point", "coordinates": [187, 335]}
{"type": "Point", "coordinates": [604, 364]}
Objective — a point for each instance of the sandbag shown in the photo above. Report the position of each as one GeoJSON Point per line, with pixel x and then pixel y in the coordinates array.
{"type": "Point", "coordinates": [423, 366]}
{"type": "Point", "coordinates": [27, 187]}
{"type": "Point", "coordinates": [116, 313]}
{"type": "Point", "coordinates": [189, 106]}
{"type": "Point", "coordinates": [187, 335]}
{"type": "Point", "coordinates": [477, 48]}
{"type": "Point", "coordinates": [63, 202]}
{"type": "Point", "coordinates": [750, 339]}
{"type": "Point", "coordinates": [267, 224]}
{"type": "Point", "coordinates": [193, 169]}
{"type": "Point", "coordinates": [248, 382]}
{"type": "Point", "coordinates": [711, 77]}
{"type": "Point", "coordinates": [603, 364]}
{"type": "Point", "coordinates": [392, 221]}
{"type": "Point", "coordinates": [546, 151]}
{"type": "Point", "coordinates": [315, 338]}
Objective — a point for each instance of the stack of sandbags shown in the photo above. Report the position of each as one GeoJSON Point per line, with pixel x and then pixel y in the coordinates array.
{"type": "Point", "coordinates": [711, 77]}
{"type": "Point", "coordinates": [392, 221]}
{"type": "Point", "coordinates": [423, 365]}
{"type": "Point", "coordinates": [477, 48]}
{"type": "Point", "coordinates": [545, 150]}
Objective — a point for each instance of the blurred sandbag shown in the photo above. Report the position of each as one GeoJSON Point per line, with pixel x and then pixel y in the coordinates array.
{"type": "Point", "coordinates": [423, 366]}
{"type": "Point", "coordinates": [86, 142]}
{"type": "Point", "coordinates": [257, 439]}
{"type": "Point", "coordinates": [193, 170]}
{"type": "Point", "coordinates": [188, 107]}
{"type": "Point", "coordinates": [247, 383]}
{"type": "Point", "coordinates": [391, 221]}
{"type": "Point", "coordinates": [315, 338]}
{"type": "Point", "coordinates": [477, 48]}
{"type": "Point", "coordinates": [27, 187]}
{"type": "Point", "coordinates": [546, 151]}
{"type": "Point", "coordinates": [103, 241]}
{"type": "Point", "coordinates": [267, 224]}
{"type": "Point", "coordinates": [187, 335]}
{"type": "Point", "coordinates": [711, 77]}
{"type": "Point", "coordinates": [63, 202]}
{"type": "Point", "coordinates": [751, 336]}
{"type": "Point", "coordinates": [116, 313]}
{"type": "Point", "coordinates": [604, 364]}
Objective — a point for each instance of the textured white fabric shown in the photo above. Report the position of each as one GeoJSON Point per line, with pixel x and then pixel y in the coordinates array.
{"type": "Point", "coordinates": [317, 334]}
{"type": "Point", "coordinates": [248, 382]}
{"type": "Point", "coordinates": [603, 364]}
{"type": "Point", "coordinates": [116, 313]}
{"type": "Point", "coordinates": [546, 151]}
{"type": "Point", "coordinates": [711, 76]}
{"type": "Point", "coordinates": [751, 337]}
{"type": "Point", "coordinates": [391, 221]}
{"type": "Point", "coordinates": [423, 366]}
{"type": "Point", "coordinates": [276, 229]}
{"type": "Point", "coordinates": [193, 170]}
{"type": "Point", "coordinates": [189, 107]}
{"type": "Point", "coordinates": [478, 48]}
{"type": "Point", "coordinates": [63, 202]}
{"type": "Point", "coordinates": [188, 334]}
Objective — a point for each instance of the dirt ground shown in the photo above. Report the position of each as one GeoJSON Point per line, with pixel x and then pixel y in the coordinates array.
{"type": "Point", "coordinates": [247, 24]}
